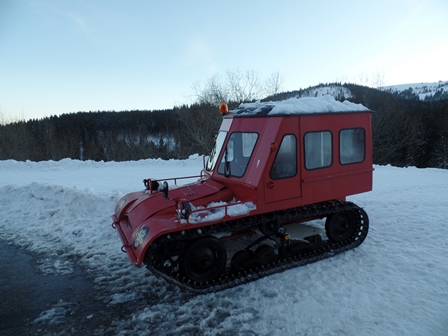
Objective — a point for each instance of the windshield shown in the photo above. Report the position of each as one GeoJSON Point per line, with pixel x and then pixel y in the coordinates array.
{"type": "Point", "coordinates": [211, 163]}
{"type": "Point", "coordinates": [237, 154]}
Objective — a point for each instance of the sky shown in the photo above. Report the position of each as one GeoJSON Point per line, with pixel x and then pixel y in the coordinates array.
{"type": "Point", "coordinates": [68, 56]}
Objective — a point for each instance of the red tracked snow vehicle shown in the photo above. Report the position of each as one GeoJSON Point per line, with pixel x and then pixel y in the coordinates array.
{"type": "Point", "coordinates": [271, 196]}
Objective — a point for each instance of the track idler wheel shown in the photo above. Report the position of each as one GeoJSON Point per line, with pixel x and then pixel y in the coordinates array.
{"type": "Point", "coordinates": [204, 259]}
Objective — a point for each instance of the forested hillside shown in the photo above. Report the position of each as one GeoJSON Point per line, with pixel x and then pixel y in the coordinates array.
{"type": "Point", "coordinates": [112, 136]}
{"type": "Point", "coordinates": [406, 130]}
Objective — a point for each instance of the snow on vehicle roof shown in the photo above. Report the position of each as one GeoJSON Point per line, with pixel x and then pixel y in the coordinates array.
{"type": "Point", "coordinates": [305, 105]}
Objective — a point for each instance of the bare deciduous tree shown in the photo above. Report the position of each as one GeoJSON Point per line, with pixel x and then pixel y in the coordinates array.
{"type": "Point", "coordinates": [237, 86]}
{"type": "Point", "coordinates": [376, 79]}
{"type": "Point", "coordinates": [199, 123]}
{"type": "Point", "coordinates": [214, 91]}
{"type": "Point", "coordinates": [243, 87]}
{"type": "Point", "coordinates": [273, 83]}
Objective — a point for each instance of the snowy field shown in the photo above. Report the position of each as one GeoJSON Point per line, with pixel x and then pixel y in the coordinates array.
{"type": "Point", "coordinates": [395, 283]}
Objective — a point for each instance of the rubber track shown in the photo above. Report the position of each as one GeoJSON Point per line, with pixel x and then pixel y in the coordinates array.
{"type": "Point", "coordinates": [229, 279]}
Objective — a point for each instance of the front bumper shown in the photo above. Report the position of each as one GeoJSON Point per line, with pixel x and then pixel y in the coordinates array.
{"type": "Point", "coordinates": [124, 230]}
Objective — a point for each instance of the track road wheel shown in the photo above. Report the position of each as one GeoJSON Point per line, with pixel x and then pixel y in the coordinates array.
{"type": "Point", "coordinates": [269, 228]}
{"type": "Point", "coordinates": [285, 251]}
{"type": "Point", "coordinates": [265, 253]}
{"type": "Point", "coordinates": [240, 261]}
{"type": "Point", "coordinates": [204, 259]}
{"type": "Point", "coordinates": [341, 226]}
{"type": "Point", "coordinates": [243, 261]}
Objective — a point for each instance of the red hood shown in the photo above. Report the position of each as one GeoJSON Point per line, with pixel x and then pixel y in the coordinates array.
{"type": "Point", "coordinates": [139, 206]}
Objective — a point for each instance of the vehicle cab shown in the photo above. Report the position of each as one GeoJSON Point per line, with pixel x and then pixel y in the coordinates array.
{"type": "Point", "coordinates": [295, 152]}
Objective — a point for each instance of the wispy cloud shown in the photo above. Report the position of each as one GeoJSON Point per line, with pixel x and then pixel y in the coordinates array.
{"type": "Point", "coordinates": [199, 52]}
{"type": "Point", "coordinates": [79, 22]}
{"type": "Point", "coordinates": [60, 11]}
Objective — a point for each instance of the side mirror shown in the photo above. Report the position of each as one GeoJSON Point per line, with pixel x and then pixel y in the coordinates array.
{"type": "Point", "coordinates": [164, 189]}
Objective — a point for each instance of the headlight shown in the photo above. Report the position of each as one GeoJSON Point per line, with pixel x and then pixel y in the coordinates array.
{"type": "Point", "coordinates": [140, 237]}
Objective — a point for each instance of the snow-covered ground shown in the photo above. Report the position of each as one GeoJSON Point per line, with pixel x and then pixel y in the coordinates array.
{"type": "Point", "coordinates": [395, 283]}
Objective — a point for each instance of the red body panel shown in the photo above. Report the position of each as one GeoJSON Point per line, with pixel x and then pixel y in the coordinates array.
{"type": "Point", "coordinates": [143, 216]}
{"type": "Point", "coordinates": [337, 181]}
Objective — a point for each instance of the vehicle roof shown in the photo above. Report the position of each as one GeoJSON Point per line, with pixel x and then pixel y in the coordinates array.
{"type": "Point", "coordinates": [298, 106]}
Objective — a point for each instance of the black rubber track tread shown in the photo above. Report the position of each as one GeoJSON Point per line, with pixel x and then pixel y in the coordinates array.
{"type": "Point", "coordinates": [229, 279]}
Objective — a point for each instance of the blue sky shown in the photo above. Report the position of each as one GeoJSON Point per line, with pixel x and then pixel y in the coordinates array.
{"type": "Point", "coordinates": [68, 56]}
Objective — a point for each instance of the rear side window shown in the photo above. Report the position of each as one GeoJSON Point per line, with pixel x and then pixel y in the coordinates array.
{"type": "Point", "coordinates": [285, 164]}
{"type": "Point", "coordinates": [352, 145]}
{"type": "Point", "coordinates": [318, 150]}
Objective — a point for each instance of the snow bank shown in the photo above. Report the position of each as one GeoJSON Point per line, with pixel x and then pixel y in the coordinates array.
{"type": "Point", "coordinates": [122, 177]}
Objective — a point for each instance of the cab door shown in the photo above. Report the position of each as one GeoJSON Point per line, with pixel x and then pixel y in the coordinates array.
{"type": "Point", "coordinates": [282, 178]}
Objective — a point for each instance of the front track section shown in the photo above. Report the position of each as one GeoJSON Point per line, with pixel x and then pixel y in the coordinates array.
{"type": "Point", "coordinates": [232, 253]}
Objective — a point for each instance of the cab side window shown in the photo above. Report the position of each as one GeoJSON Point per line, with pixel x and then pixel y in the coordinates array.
{"type": "Point", "coordinates": [352, 145]}
{"type": "Point", "coordinates": [285, 163]}
{"type": "Point", "coordinates": [318, 150]}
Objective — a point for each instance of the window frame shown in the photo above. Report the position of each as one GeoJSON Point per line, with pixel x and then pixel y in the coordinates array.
{"type": "Point", "coordinates": [216, 151]}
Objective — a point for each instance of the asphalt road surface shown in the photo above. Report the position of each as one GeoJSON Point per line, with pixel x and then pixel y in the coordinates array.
{"type": "Point", "coordinates": [33, 303]}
